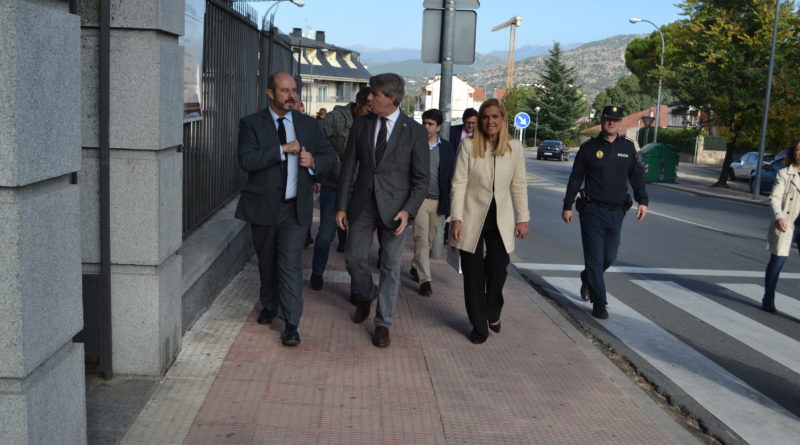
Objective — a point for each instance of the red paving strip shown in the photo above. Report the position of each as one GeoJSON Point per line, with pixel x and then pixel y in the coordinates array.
{"type": "Point", "coordinates": [528, 384]}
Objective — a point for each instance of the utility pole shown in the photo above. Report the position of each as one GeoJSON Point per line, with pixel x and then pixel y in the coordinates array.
{"type": "Point", "coordinates": [446, 82]}
{"type": "Point", "coordinates": [513, 23]}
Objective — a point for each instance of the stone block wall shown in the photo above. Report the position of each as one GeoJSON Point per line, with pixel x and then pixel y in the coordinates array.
{"type": "Point", "coordinates": [42, 396]}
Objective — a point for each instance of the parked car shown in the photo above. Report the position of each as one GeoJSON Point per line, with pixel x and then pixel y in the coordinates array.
{"type": "Point", "coordinates": [746, 165]}
{"type": "Point", "coordinates": [768, 174]}
{"type": "Point", "coordinates": [552, 150]}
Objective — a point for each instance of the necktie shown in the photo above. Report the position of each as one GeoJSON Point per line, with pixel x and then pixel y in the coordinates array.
{"type": "Point", "coordinates": [285, 167]}
{"type": "Point", "coordinates": [380, 144]}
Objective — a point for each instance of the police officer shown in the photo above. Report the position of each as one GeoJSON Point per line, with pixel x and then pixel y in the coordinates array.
{"type": "Point", "coordinates": [604, 165]}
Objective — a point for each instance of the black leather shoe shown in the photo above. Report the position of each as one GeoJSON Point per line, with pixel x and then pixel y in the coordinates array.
{"type": "Point", "coordinates": [425, 288]}
{"type": "Point", "coordinates": [290, 338]}
{"type": "Point", "coordinates": [340, 247]}
{"type": "Point", "coordinates": [362, 312]}
{"type": "Point", "coordinates": [584, 290]}
{"type": "Point", "coordinates": [768, 306]}
{"type": "Point", "coordinates": [266, 317]}
{"type": "Point", "coordinates": [495, 327]}
{"type": "Point", "coordinates": [316, 281]}
{"type": "Point", "coordinates": [381, 338]}
{"type": "Point", "coordinates": [414, 274]}
{"type": "Point", "coordinates": [477, 338]}
{"type": "Point", "coordinates": [599, 311]}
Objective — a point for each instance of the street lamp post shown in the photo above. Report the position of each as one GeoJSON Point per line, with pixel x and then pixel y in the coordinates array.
{"type": "Point", "coordinates": [658, 103]}
{"type": "Point", "coordinates": [311, 79]}
{"type": "Point", "coordinates": [298, 3]}
{"type": "Point", "coordinates": [536, 126]}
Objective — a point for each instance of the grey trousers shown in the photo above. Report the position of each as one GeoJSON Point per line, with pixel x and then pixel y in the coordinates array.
{"type": "Point", "coordinates": [279, 249]}
{"type": "Point", "coordinates": [359, 243]}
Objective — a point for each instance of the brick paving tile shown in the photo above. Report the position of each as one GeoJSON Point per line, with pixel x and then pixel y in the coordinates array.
{"type": "Point", "coordinates": [528, 384]}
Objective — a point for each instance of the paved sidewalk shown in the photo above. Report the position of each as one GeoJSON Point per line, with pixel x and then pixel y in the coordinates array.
{"type": "Point", "coordinates": [234, 383]}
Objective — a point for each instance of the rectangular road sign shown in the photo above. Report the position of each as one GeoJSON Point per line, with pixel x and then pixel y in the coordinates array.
{"type": "Point", "coordinates": [460, 4]}
{"type": "Point", "coordinates": [464, 42]}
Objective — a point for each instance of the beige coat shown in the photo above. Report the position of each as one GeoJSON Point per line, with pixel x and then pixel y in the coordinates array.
{"type": "Point", "coordinates": [785, 203]}
{"type": "Point", "coordinates": [472, 193]}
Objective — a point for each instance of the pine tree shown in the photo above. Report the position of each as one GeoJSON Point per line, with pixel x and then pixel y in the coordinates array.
{"type": "Point", "coordinates": [561, 100]}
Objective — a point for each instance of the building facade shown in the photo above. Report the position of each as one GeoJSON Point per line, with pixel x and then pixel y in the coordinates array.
{"type": "Point", "coordinates": [330, 75]}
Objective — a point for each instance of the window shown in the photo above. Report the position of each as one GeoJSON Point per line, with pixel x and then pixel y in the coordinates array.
{"type": "Point", "coordinates": [322, 93]}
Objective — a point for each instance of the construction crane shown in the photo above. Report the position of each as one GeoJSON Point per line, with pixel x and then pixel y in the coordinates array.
{"type": "Point", "coordinates": [513, 22]}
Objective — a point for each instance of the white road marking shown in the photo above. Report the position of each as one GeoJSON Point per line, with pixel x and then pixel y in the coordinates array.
{"type": "Point", "coordinates": [753, 416]}
{"type": "Point", "coordinates": [656, 271]}
{"type": "Point", "coordinates": [755, 292]}
{"type": "Point", "coordinates": [779, 347]}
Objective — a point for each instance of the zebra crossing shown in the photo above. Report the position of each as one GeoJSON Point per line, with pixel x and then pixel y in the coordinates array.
{"type": "Point", "coordinates": [748, 412]}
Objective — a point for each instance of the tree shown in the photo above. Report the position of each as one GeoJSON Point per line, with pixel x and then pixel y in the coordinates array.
{"type": "Point", "coordinates": [516, 100]}
{"type": "Point", "coordinates": [626, 93]}
{"type": "Point", "coordinates": [560, 98]}
{"type": "Point", "coordinates": [717, 60]}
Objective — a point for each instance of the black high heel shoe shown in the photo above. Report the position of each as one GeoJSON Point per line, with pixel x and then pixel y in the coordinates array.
{"type": "Point", "coordinates": [495, 327]}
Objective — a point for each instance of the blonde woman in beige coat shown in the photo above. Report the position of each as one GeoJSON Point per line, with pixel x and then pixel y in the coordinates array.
{"type": "Point", "coordinates": [489, 188]}
{"type": "Point", "coordinates": [785, 204]}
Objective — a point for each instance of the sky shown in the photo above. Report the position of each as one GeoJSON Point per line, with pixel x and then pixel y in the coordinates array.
{"type": "Point", "coordinates": [387, 24]}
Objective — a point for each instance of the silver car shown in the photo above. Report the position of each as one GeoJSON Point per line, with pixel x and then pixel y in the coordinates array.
{"type": "Point", "coordinates": [746, 165]}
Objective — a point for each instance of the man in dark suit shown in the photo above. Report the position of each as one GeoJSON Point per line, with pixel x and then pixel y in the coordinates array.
{"type": "Point", "coordinates": [386, 165]}
{"type": "Point", "coordinates": [457, 132]}
{"type": "Point", "coordinates": [281, 150]}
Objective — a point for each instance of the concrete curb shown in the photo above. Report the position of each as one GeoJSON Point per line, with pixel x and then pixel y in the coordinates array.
{"type": "Point", "coordinates": [700, 191]}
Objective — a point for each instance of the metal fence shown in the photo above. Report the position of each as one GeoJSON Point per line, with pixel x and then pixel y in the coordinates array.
{"type": "Point", "coordinates": [234, 55]}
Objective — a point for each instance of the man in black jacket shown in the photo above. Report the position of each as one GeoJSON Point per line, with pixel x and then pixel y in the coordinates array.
{"type": "Point", "coordinates": [604, 166]}
{"type": "Point", "coordinates": [281, 150]}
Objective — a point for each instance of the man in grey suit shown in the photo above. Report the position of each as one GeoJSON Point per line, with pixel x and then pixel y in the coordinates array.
{"type": "Point", "coordinates": [386, 165]}
{"type": "Point", "coordinates": [281, 150]}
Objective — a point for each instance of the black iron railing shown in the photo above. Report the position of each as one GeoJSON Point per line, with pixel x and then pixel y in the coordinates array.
{"type": "Point", "coordinates": [232, 87]}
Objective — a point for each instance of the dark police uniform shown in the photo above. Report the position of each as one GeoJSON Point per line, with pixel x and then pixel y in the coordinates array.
{"type": "Point", "coordinates": [604, 169]}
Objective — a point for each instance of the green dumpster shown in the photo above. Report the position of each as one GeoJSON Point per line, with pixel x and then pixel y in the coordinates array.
{"type": "Point", "coordinates": [660, 162]}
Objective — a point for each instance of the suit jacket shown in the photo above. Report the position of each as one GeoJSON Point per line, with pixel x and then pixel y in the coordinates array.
{"type": "Point", "coordinates": [447, 162]}
{"type": "Point", "coordinates": [455, 136]}
{"type": "Point", "coordinates": [259, 156]}
{"type": "Point", "coordinates": [398, 182]}
{"type": "Point", "coordinates": [473, 184]}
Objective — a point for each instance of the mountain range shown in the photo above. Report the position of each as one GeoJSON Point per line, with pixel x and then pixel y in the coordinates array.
{"type": "Point", "coordinates": [597, 64]}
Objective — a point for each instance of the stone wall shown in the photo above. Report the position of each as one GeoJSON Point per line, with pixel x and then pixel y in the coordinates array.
{"type": "Point", "coordinates": [42, 398]}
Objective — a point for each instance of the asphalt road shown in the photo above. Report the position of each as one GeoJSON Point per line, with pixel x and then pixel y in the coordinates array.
{"type": "Point", "coordinates": [684, 303]}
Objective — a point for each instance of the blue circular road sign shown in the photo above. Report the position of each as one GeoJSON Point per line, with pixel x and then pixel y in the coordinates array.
{"type": "Point", "coordinates": [522, 120]}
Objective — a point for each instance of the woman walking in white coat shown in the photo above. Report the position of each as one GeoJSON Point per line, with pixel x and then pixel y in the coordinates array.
{"type": "Point", "coordinates": [489, 187]}
{"type": "Point", "coordinates": [785, 204]}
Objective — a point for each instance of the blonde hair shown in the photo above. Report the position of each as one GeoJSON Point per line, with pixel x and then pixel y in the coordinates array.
{"type": "Point", "coordinates": [481, 140]}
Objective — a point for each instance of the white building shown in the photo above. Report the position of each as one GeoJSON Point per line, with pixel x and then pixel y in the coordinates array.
{"type": "Point", "coordinates": [463, 96]}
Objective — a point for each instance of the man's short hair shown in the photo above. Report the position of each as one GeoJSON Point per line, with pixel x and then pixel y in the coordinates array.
{"type": "Point", "coordinates": [434, 115]}
{"type": "Point", "coordinates": [390, 84]}
{"type": "Point", "coordinates": [361, 96]}
{"type": "Point", "coordinates": [468, 113]}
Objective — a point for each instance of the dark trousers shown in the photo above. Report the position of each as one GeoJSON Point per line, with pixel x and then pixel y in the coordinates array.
{"type": "Point", "coordinates": [484, 276]}
{"type": "Point", "coordinates": [601, 232]}
{"type": "Point", "coordinates": [279, 249]}
{"type": "Point", "coordinates": [359, 243]}
{"type": "Point", "coordinates": [774, 269]}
